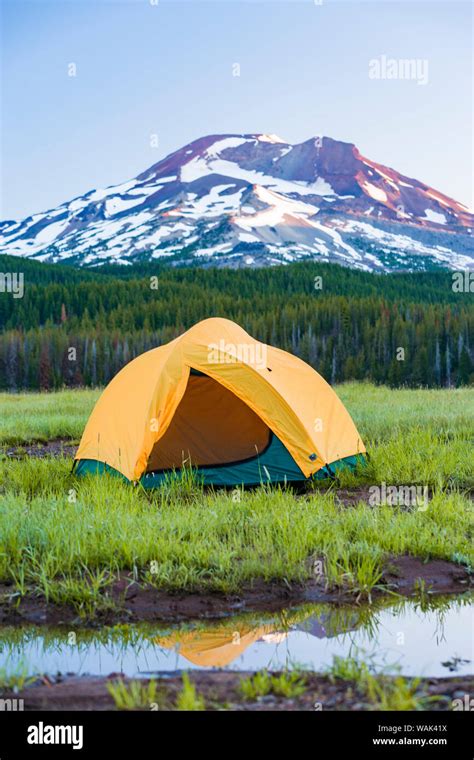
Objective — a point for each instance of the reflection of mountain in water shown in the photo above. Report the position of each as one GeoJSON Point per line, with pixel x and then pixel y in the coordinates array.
{"type": "Point", "coordinates": [220, 645]}
{"type": "Point", "coordinates": [325, 626]}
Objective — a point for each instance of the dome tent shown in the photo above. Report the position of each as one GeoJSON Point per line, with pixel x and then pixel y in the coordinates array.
{"type": "Point", "coordinates": [237, 410]}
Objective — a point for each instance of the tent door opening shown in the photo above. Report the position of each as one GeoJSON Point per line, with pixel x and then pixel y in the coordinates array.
{"type": "Point", "coordinates": [211, 427]}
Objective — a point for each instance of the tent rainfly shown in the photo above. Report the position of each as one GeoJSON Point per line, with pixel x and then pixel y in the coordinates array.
{"type": "Point", "coordinates": [238, 411]}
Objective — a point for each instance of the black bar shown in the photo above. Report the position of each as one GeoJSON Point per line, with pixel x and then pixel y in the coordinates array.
{"type": "Point", "coordinates": [445, 734]}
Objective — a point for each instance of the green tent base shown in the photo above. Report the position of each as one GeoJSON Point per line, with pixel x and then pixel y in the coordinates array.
{"type": "Point", "coordinates": [274, 465]}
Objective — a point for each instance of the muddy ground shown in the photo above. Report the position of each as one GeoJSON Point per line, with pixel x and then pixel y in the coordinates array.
{"type": "Point", "coordinates": [220, 690]}
{"type": "Point", "coordinates": [134, 602]}
{"type": "Point", "coordinates": [40, 449]}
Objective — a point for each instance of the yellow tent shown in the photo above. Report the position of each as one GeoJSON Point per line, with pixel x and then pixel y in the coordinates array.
{"type": "Point", "coordinates": [237, 410]}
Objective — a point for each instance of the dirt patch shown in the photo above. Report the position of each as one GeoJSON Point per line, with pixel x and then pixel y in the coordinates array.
{"type": "Point", "coordinates": [439, 576]}
{"type": "Point", "coordinates": [221, 689]}
{"type": "Point", "coordinates": [348, 497]}
{"type": "Point", "coordinates": [134, 602]}
{"type": "Point", "coordinates": [42, 449]}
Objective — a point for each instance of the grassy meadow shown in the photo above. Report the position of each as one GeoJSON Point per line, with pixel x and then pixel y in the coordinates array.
{"type": "Point", "coordinates": [67, 540]}
{"type": "Point", "coordinates": [27, 417]}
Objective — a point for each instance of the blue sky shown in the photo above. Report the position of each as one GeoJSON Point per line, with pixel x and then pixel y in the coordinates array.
{"type": "Point", "coordinates": [166, 69]}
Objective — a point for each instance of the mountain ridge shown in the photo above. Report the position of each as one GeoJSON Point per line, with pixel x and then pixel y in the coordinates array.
{"type": "Point", "coordinates": [251, 200]}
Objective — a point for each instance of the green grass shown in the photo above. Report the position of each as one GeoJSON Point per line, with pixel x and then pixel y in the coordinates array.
{"type": "Point", "coordinates": [381, 413]}
{"type": "Point", "coordinates": [289, 684]}
{"type": "Point", "coordinates": [188, 700]}
{"type": "Point", "coordinates": [350, 668]}
{"type": "Point", "coordinates": [397, 693]}
{"type": "Point", "coordinates": [134, 695]}
{"type": "Point", "coordinates": [413, 436]}
{"type": "Point", "coordinates": [68, 539]}
{"type": "Point", "coordinates": [15, 679]}
{"type": "Point", "coordinates": [29, 417]}
{"type": "Point", "coordinates": [384, 691]}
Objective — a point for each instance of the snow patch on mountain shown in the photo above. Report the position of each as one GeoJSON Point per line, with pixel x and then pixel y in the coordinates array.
{"type": "Point", "coordinates": [433, 216]}
{"type": "Point", "coordinates": [278, 209]}
{"type": "Point", "coordinates": [271, 139]}
{"type": "Point", "coordinates": [375, 192]}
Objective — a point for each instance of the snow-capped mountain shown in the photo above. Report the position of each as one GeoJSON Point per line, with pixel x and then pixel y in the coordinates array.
{"type": "Point", "coordinates": [251, 200]}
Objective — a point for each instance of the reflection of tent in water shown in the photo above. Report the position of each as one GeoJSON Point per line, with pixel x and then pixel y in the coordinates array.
{"type": "Point", "coordinates": [218, 646]}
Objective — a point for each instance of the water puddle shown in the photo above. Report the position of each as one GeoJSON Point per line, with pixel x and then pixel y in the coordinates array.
{"type": "Point", "coordinates": [432, 637]}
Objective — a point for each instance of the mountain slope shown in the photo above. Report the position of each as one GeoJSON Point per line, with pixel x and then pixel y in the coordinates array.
{"type": "Point", "coordinates": [250, 200]}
